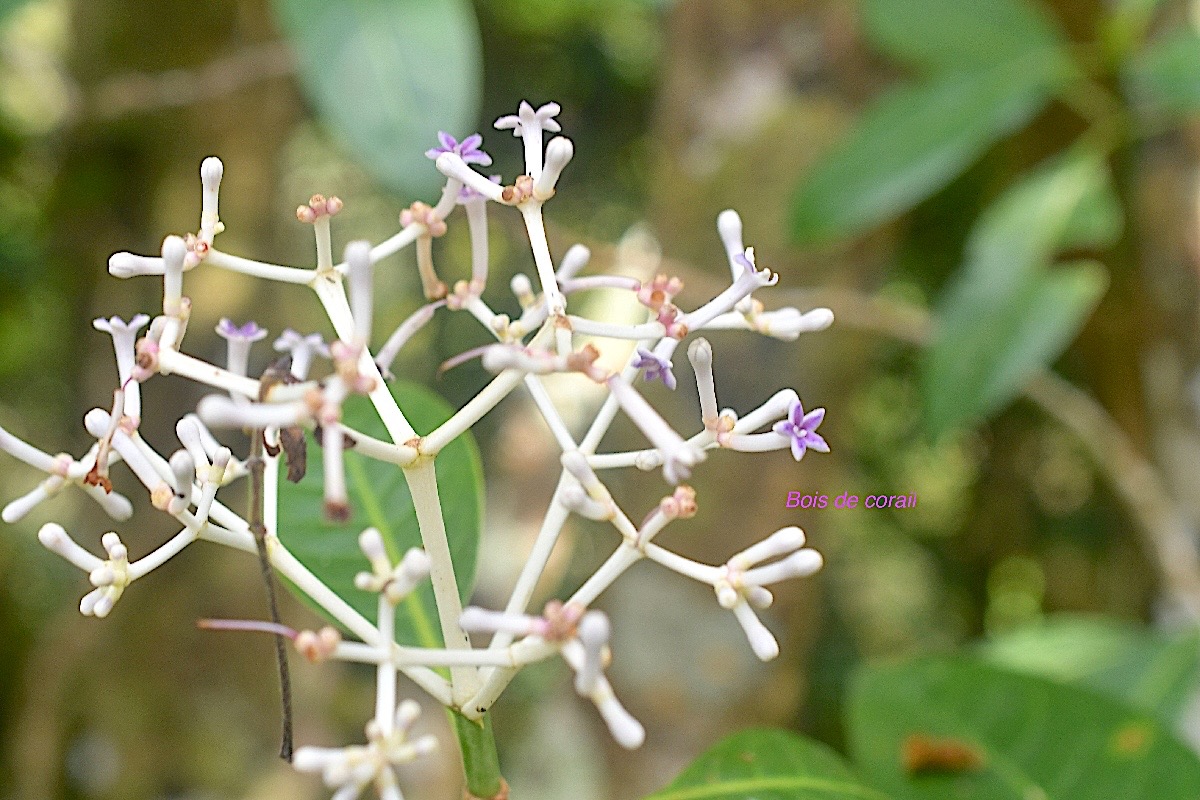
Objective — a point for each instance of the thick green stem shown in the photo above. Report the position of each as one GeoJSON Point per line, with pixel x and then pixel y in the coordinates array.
{"type": "Point", "coordinates": [481, 764]}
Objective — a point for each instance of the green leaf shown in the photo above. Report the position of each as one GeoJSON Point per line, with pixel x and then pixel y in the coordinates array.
{"type": "Point", "coordinates": [1032, 737]}
{"type": "Point", "coordinates": [1006, 315]}
{"type": "Point", "coordinates": [951, 35]}
{"type": "Point", "coordinates": [1167, 74]}
{"type": "Point", "coordinates": [385, 76]}
{"type": "Point", "coordinates": [985, 349]}
{"type": "Point", "coordinates": [767, 765]}
{"type": "Point", "coordinates": [1145, 669]}
{"type": "Point", "coordinates": [379, 497]}
{"type": "Point", "coordinates": [911, 143]}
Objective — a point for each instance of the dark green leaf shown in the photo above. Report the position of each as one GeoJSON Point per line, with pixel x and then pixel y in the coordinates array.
{"type": "Point", "coordinates": [952, 35]}
{"type": "Point", "coordinates": [986, 348]}
{"type": "Point", "coordinates": [1145, 669]}
{"type": "Point", "coordinates": [379, 497]}
{"type": "Point", "coordinates": [911, 143]}
{"type": "Point", "coordinates": [767, 765]}
{"type": "Point", "coordinates": [1034, 738]}
{"type": "Point", "coordinates": [1167, 74]}
{"type": "Point", "coordinates": [386, 75]}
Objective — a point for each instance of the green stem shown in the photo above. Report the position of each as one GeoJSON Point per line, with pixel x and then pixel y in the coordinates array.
{"type": "Point", "coordinates": [481, 764]}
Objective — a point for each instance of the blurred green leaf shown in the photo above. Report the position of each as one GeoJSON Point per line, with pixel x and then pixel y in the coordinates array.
{"type": "Point", "coordinates": [380, 498]}
{"type": "Point", "coordinates": [7, 7]}
{"type": "Point", "coordinates": [951, 35]}
{"type": "Point", "coordinates": [1145, 669]}
{"type": "Point", "coordinates": [1167, 73]}
{"type": "Point", "coordinates": [1006, 315]}
{"type": "Point", "coordinates": [767, 765]}
{"type": "Point", "coordinates": [1030, 737]}
{"type": "Point", "coordinates": [984, 350]}
{"type": "Point", "coordinates": [912, 142]}
{"type": "Point", "coordinates": [385, 76]}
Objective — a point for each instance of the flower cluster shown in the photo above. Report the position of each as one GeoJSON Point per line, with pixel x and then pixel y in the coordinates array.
{"type": "Point", "coordinates": [282, 405]}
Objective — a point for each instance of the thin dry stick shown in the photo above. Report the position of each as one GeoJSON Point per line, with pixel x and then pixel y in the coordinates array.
{"type": "Point", "coordinates": [257, 465]}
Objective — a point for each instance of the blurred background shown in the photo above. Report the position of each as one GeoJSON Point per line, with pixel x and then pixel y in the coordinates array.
{"type": "Point", "coordinates": [678, 110]}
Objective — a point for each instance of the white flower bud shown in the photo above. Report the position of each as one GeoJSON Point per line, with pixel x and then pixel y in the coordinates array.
{"type": "Point", "coordinates": [762, 641]}
{"type": "Point", "coordinates": [358, 260]}
{"type": "Point", "coordinates": [575, 259]}
{"type": "Point", "coordinates": [559, 152]}
{"type": "Point", "coordinates": [173, 253]}
{"type": "Point", "coordinates": [729, 226]}
{"type": "Point", "coordinates": [127, 265]}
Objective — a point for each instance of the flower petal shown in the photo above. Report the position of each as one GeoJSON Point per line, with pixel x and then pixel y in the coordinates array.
{"type": "Point", "coordinates": [812, 419]}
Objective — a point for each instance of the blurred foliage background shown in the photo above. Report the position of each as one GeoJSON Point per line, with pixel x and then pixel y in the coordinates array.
{"type": "Point", "coordinates": [678, 110]}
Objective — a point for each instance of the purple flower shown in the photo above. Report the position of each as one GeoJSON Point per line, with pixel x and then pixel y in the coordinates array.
{"type": "Point", "coordinates": [468, 149]}
{"type": "Point", "coordinates": [656, 368]}
{"type": "Point", "coordinates": [801, 428]}
{"type": "Point", "coordinates": [250, 332]}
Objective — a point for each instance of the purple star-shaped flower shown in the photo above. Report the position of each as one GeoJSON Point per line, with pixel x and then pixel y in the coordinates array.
{"type": "Point", "coordinates": [656, 368]}
{"type": "Point", "coordinates": [801, 428]}
{"type": "Point", "coordinates": [250, 332]}
{"type": "Point", "coordinates": [468, 149]}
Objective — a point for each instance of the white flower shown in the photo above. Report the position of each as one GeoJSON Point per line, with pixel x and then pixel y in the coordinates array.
{"type": "Point", "coordinates": [393, 582]}
{"type": "Point", "coordinates": [679, 455]}
{"type": "Point", "coordinates": [351, 769]}
{"type": "Point", "coordinates": [110, 576]}
{"type": "Point", "coordinates": [302, 349]}
{"type": "Point", "coordinates": [741, 582]}
{"type": "Point", "coordinates": [529, 124]}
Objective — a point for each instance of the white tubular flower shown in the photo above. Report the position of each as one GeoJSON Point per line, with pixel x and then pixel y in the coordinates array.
{"type": "Point", "coordinates": [788, 323]}
{"type": "Point", "coordinates": [588, 653]}
{"type": "Point", "coordinates": [729, 227]}
{"type": "Point", "coordinates": [482, 620]}
{"type": "Point", "coordinates": [211, 171]}
{"type": "Point", "coordinates": [575, 499]}
{"type": "Point", "coordinates": [358, 259]}
{"type": "Point", "coordinates": [594, 632]}
{"type": "Point", "coordinates": [700, 355]}
{"type": "Point", "coordinates": [62, 470]}
{"type": "Point", "coordinates": [222, 412]}
{"type": "Point", "coordinates": [56, 539]}
{"type": "Point", "coordinates": [239, 339]}
{"type": "Point", "coordinates": [110, 576]}
{"type": "Point", "coordinates": [127, 265]}
{"type": "Point", "coordinates": [749, 279]}
{"type": "Point", "coordinates": [574, 260]}
{"type": "Point", "coordinates": [124, 336]}
{"type": "Point", "coordinates": [591, 499]}
{"type": "Point", "coordinates": [522, 289]}
{"type": "Point", "coordinates": [529, 124]}
{"type": "Point", "coordinates": [174, 251]}
{"type": "Point", "coordinates": [351, 769]}
{"type": "Point", "coordinates": [100, 423]}
{"type": "Point", "coordinates": [477, 228]}
{"type": "Point", "coordinates": [679, 456]}
{"type": "Point", "coordinates": [743, 579]}
{"type": "Point", "coordinates": [183, 468]}
{"type": "Point", "coordinates": [452, 166]}
{"type": "Point", "coordinates": [393, 582]}
{"type": "Point", "coordinates": [559, 152]}
{"type": "Point", "coordinates": [302, 350]}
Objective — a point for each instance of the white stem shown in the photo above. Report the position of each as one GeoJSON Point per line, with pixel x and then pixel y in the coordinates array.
{"type": "Point", "coordinates": [556, 303]}
{"type": "Point", "coordinates": [259, 269]}
{"type": "Point", "coordinates": [173, 362]}
{"type": "Point", "coordinates": [477, 227]}
{"type": "Point", "coordinates": [475, 409]}
{"type": "Point", "coordinates": [422, 484]}
{"type": "Point", "coordinates": [385, 675]}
